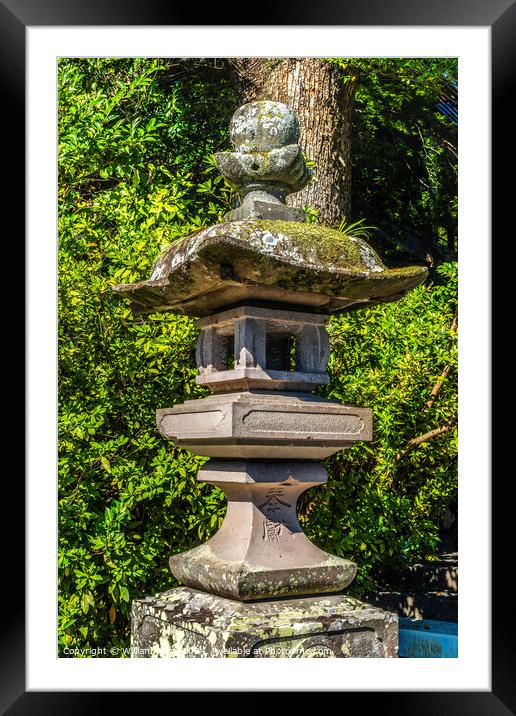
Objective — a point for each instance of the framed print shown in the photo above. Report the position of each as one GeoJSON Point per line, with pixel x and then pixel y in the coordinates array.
{"type": "Point", "coordinates": [32, 39]}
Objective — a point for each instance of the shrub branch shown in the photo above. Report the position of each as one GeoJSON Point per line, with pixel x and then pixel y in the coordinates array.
{"type": "Point", "coordinates": [437, 387]}
{"type": "Point", "coordinates": [426, 436]}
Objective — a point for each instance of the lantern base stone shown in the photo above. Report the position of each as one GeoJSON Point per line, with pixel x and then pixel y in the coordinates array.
{"type": "Point", "coordinates": [201, 568]}
{"type": "Point", "coordinates": [187, 623]}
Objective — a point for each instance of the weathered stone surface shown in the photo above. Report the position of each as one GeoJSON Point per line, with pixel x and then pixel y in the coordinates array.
{"type": "Point", "coordinates": [256, 378]}
{"type": "Point", "coordinates": [263, 205]}
{"type": "Point", "coordinates": [262, 126]}
{"type": "Point", "coordinates": [284, 263]}
{"type": "Point", "coordinates": [260, 551]}
{"type": "Point", "coordinates": [256, 424]}
{"type": "Point", "coordinates": [187, 623]}
{"type": "Point", "coordinates": [259, 341]}
{"type": "Point", "coordinates": [267, 163]}
{"type": "Point", "coordinates": [255, 170]}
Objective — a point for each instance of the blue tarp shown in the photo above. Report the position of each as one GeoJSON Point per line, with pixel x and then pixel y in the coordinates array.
{"type": "Point", "coordinates": [427, 638]}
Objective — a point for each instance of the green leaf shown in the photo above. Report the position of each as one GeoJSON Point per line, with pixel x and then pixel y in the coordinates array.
{"type": "Point", "coordinates": [105, 464]}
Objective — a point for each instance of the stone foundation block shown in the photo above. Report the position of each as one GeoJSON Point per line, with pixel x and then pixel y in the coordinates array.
{"type": "Point", "coordinates": [188, 623]}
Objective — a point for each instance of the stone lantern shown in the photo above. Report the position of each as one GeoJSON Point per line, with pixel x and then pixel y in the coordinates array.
{"type": "Point", "coordinates": [262, 286]}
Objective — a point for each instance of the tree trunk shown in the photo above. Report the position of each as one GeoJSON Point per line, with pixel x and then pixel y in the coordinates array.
{"type": "Point", "coordinates": [322, 95]}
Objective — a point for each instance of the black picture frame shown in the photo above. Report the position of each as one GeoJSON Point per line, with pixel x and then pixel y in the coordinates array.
{"type": "Point", "coordinates": [500, 16]}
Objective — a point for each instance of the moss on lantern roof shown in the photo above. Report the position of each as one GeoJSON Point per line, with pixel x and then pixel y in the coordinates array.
{"type": "Point", "coordinates": [268, 261]}
{"type": "Point", "coordinates": [331, 247]}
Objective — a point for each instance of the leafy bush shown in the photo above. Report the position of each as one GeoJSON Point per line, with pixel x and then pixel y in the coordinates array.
{"type": "Point", "coordinates": [135, 140]}
{"type": "Point", "coordinates": [405, 153]}
{"type": "Point", "coordinates": [385, 500]}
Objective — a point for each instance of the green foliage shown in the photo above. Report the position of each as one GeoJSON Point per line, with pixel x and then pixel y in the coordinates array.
{"type": "Point", "coordinates": [135, 140]}
{"type": "Point", "coordinates": [385, 500]}
{"type": "Point", "coordinates": [133, 175]}
{"type": "Point", "coordinates": [356, 229]}
{"type": "Point", "coordinates": [405, 152]}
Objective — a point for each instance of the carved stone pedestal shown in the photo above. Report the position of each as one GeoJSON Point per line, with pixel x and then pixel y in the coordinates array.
{"type": "Point", "coordinates": [188, 623]}
{"type": "Point", "coordinates": [261, 551]}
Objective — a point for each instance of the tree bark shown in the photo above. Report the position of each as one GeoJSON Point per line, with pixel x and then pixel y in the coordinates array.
{"type": "Point", "coordinates": [322, 96]}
